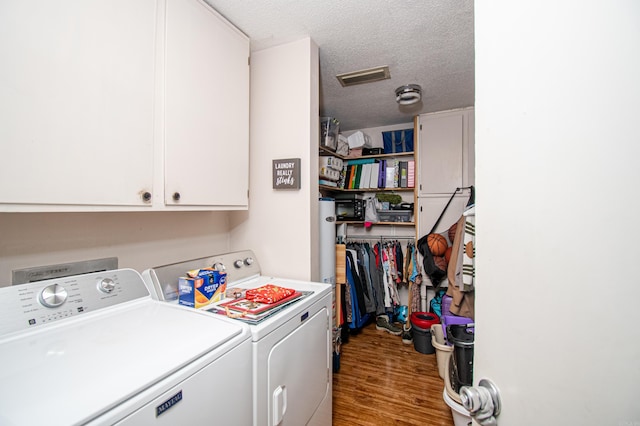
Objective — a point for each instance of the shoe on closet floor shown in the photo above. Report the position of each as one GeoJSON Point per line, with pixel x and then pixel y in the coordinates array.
{"type": "Point", "coordinates": [407, 336]}
{"type": "Point", "coordinates": [382, 323]}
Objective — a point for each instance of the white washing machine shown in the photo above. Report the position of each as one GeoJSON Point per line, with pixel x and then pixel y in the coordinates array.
{"type": "Point", "coordinates": [292, 348]}
{"type": "Point", "coordinates": [95, 349]}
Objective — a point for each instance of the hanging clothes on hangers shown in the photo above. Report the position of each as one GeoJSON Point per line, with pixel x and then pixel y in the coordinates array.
{"type": "Point", "coordinates": [375, 272]}
{"type": "Point", "coordinates": [415, 280]}
{"type": "Point", "coordinates": [359, 316]}
{"type": "Point", "coordinates": [390, 273]}
{"type": "Point", "coordinates": [398, 257]}
{"type": "Point", "coordinates": [378, 269]}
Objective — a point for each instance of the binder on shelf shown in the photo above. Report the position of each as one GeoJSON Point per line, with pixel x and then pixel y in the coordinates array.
{"type": "Point", "coordinates": [349, 181]}
{"type": "Point", "coordinates": [364, 177]}
{"type": "Point", "coordinates": [392, 174]}
{"type": "Point", "coordinates": [411, 174]}
{"type": "Point", "coordinates": [356, 181]}
{"type": "Point", "coordinates": [382, 178]}
{"type": "Point", "coordinates": [375, 173]}
{"type": "Point", "coordinates": [396, 174]}
{"type": "Point", "coordinates": [402, 166]}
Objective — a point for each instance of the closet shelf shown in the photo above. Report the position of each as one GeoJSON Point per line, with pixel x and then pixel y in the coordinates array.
{"type": "Point", "coordinates": [331, 188]}
{"type": "Point", "coordinates": [325, 152]}
{"type": "Point", "coordinates": [354, 222]}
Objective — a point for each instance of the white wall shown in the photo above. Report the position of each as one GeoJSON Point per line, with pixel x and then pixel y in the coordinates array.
{"type": "Point", "coordinates": [281, 226]}
{"type": "Point", "coordinates": [139, 240]}
{"type": "Point", "coordinates": [557, 150]}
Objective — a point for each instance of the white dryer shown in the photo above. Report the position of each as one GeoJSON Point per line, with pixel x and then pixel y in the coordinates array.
{"type": "Point", "coordinates": [95, 349]}
{"type": "Point", "coordinates": [292, 348]}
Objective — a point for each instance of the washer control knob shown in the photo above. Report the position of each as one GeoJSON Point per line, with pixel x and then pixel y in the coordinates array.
{"type": "Point", "coordinates": [219, 266]}
{"type": "Point", "coordinates": [53, 296]}
{"type": "Point", "coordinates": [238, 264]}
{"type": "Point", "coordinates": [106, 285]}
{"type": "Point", "coordinates": [249, 261]}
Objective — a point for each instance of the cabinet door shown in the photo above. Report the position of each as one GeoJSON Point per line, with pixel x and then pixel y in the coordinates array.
{"type": "Point", "coordinates": [207, 108]}
{"type": "Point", "coordinates": [440, 150]}
{"type": "Point", "coordinates": [429, 208]}
{"type": "Point", "coordinates": [76, 102]}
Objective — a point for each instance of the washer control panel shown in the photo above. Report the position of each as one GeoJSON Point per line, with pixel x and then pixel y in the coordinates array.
{"type": "Point", "coordinates": [238, 265]}
{"type": "Point", "coordinates": [30, 305]}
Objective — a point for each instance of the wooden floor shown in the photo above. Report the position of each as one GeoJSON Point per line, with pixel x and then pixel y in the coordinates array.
{"type": "Point", "coordinates": [382, 381]}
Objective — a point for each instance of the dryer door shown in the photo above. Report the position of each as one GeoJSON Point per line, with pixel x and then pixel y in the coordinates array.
{"type": "Point", "coordinates": [299, 372]}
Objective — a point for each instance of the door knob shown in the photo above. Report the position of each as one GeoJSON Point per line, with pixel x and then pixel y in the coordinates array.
{"type": "Point", "coordinates": [482, 402]}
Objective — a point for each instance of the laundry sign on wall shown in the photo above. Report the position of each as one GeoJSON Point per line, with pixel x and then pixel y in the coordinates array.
{"type": "Point", "coordinates": [286, 173]}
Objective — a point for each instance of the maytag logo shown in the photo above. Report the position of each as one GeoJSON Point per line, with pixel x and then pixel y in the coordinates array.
{"type": "Point", "coordinates": [169, 403]}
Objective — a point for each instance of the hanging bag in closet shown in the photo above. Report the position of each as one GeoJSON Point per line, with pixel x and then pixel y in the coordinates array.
{"type": "Point", "coordinates": [397, 141]}
{"type": "Point", "coordinates": [371, 210]}
{"type": "Point", "coordinates": [435, 273]}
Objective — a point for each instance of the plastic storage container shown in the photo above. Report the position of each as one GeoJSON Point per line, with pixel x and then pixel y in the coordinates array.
{"type": "Point", "coordinates": [394, 215]}
{"type": "Point", "coordinates": [462, 338]}
{"type": "Point", "coordinates": [443, 351]}
{"type": "Point", "coordinates": [329, 130]}
{"type": "Point", "coordinates": [331, 162]}
{"type": "Point", "coordinates": [359, 140]}
{"type": "Point", "coordinates": [421, 323]}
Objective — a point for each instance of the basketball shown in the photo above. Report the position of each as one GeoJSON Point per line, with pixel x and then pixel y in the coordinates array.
{"type": "Point", "coordinates": [447, 254]}
{"type": "Point", "coordinates": [452, 232]}
{"type": "Point", "coordinates": [440, 262]}
{"type": "Point", "coordinates": [437, 244]}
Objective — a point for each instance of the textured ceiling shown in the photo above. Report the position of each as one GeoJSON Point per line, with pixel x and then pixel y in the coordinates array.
{"type": "Point", "coordinates": [426, 42]}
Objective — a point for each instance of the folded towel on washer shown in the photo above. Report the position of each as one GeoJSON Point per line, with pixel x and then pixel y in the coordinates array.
{"type": "Point", "coordinates": [268, 293]}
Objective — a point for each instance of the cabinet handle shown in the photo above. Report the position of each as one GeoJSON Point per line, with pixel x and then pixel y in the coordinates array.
{"type": "Point", "coordinates": [146, 196]}
{"type": "Point", "coordinates": [176, 196]}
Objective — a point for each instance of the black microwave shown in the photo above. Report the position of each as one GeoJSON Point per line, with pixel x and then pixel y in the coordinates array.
{"type": "Point", "coordinates": [350, 209]}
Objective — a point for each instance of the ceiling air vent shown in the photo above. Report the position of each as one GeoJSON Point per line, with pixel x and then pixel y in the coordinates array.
{"type": "Point", "coordinates": [364, 76]}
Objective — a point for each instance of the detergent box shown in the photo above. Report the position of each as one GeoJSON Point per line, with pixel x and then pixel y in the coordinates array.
{"type": "Point", "coordinates": [201, 287]}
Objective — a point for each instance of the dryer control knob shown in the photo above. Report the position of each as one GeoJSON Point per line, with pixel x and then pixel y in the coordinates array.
{"type": "Point", "coordinates": [53, 296]}
{"type": "Point", "coordinates": [248, 261]}
{"type": "Point", "coordinates": [238, 264]}
{"type": "Point", "coordinates": [106, 285]}
{"type": "Point", "coordinates": [219, 266]}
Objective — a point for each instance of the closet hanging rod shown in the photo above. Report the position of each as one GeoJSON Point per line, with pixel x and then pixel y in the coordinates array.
{"type": "Point", "coordinates": [379, 237]}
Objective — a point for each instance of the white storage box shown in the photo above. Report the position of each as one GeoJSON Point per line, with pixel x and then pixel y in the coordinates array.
{"type": "Point", "coordinates": [359, 140]}
{"type": "Point", "coordinates": [329, 130]}
{"type": "Point", "coordinates": [394, 215]}
{"type": "Point", "coordinates": [331, 162]}
{"type": "Point", "coordinates": [329, 174]}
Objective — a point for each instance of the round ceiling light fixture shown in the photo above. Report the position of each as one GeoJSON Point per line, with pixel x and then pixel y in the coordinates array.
{"type": "Point", "coordinates": [408, 94]}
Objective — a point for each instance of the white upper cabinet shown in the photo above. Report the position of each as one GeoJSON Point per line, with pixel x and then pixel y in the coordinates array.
{"type": "Point", "coordinates": [76, 102]}
{"type": "Point", "coordinates": [122, 106]}
{"type": "Point", "coordinates": [446, 151]}
{"type": "Point", "coordinates": [207, 108]}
